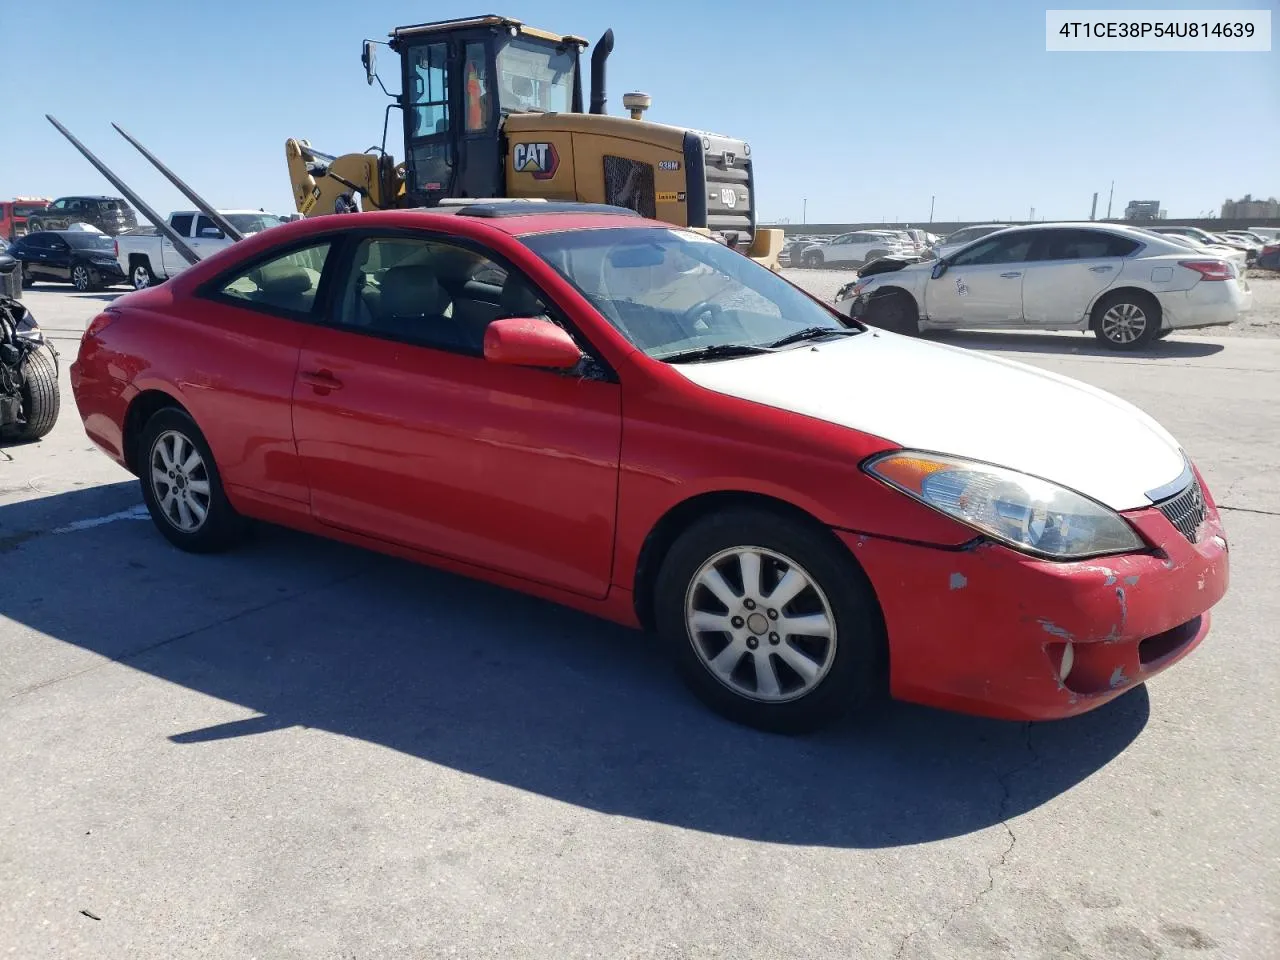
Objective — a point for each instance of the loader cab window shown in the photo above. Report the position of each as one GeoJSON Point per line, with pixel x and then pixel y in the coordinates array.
{"type": "Point", "coordinates": [429, 79]}
{"type": "Point", "coordinates": [536, 76]}
{"type": "Point", "coordinates": [475, 89]}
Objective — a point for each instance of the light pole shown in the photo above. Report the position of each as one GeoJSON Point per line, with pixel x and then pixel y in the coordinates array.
{"type": "Point", "coordinates": [931, 199]}
{"type": "Point", "coordinates": [804, 217]}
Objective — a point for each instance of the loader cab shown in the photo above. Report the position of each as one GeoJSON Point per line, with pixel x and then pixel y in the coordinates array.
{"type": "Point", "coordinates": [459, 79]}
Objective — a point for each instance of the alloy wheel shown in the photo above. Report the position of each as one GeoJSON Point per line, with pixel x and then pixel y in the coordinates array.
{"type": "Point", "coordinates": [141, 277]}
{"type": "Point", "coordinates": [180, 481]}
{"type": "Point", "coordinates": [760, 623]}
{"type": "Point", "coordinates": [80, 278]}
{"type": "Point", "coordinates": [1124, 323]}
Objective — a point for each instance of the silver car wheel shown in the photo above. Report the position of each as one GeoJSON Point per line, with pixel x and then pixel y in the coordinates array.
{"type": "Point", "coordinates": [80, 278]}
{"type": "Point", "coordinates": [760, 623]}
{"type": "Point", "coordinates": [1124, 323]}
{"type": "Point", "coordinates": [141, 277]}
{"type": "Point", "coordinates": [180, 481]}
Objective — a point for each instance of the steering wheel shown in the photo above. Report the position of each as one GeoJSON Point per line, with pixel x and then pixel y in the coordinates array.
{"type": "Point", "coordinates": [698, 309]}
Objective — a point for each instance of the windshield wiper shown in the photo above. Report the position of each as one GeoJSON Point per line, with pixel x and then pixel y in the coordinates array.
{"type": "Point", "coordinates": [812, 333]}
{"type": "Point", "coordinates": [717, 352]}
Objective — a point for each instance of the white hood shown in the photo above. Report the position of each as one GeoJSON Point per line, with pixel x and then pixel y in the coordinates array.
{"type": "Point", "coordinates": [948, 400]}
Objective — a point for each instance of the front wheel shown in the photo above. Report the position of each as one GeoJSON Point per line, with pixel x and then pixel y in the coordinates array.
{"type": "Point", "coordinates": [41, 399]}
{"type": "Point", "coordinates": [894, 311]}
{"type": "Point", "coordinates": [1126, 320]}
{"type": "Point", "coordinates": [812, 259]}
{"type": "Point", "coordinates": [182, 487]}
{"type": "Point", "coordinates": [82, 278]}
{"type": "Point", "coordinates": [27, 280]}
{"type": "Point", "coordinates": [770, 622]}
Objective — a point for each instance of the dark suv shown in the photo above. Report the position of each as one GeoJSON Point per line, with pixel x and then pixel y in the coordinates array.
{"type": "Point", "coordinates": [111, 215]}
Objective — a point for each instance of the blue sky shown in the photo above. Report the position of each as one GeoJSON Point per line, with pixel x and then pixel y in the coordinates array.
{"type": "Point", "coordinates": [865, 109]}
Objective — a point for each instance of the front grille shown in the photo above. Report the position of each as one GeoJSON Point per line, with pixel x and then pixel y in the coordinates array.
{"type": "Point", "coordinates": [1186, 510]}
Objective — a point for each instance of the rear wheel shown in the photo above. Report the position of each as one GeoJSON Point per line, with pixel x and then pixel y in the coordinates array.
{"type": "Point", "coordinates": [182, 487]}
{"type": "Point", "coordinates": [27, 280]}
{"type": "Point", "coordinates": [812, 258]}
{"type": "Point", "coordinates": [41, 399]}
{"type": "Point", "coordinates": [894, 311]}
{"type": "Point", "coordinates": [141, 275]}
{"type": "Point", "coordinates": [1126, 320]}
{"type": "Point", "coordinates": [873, 256]}
{"type": "Point", "coordinates": [770, 621]}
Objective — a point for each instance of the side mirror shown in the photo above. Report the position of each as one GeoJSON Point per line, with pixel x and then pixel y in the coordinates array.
{"type": "Point", "coordinates": [530, 342]}
{"type": "Point", "coordinates": [212, 233]}
{"type": "Point", "coordinates": [939, 269]}
{"type": "Point", "coordinates": [370, 60]}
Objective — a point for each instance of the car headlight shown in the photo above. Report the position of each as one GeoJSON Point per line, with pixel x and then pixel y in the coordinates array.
{"type": "Point", "coordinates": [1023, 512]}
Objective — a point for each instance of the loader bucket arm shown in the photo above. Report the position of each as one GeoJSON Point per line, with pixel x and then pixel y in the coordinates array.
{"type": "Point", "coordinates": [160, 223]}
{"type": "Point", "coordinates": [201, 204]}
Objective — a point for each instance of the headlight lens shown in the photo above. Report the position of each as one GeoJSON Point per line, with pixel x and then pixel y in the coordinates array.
{"type": "Point", "coordinates": [1026, 513]}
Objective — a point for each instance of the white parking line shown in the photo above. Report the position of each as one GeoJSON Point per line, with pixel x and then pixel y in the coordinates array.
{"type": "Point", "coordinates": [138, 512]}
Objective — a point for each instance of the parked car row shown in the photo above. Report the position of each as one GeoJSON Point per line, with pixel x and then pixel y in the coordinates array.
{"type": "Point", "coordinates": [84, 258]}
{"type": "Point", "coordinates": [1128, 285]}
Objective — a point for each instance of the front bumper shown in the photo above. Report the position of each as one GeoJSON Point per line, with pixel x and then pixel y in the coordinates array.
{"type": "Point", "coordinates": [984, 630]}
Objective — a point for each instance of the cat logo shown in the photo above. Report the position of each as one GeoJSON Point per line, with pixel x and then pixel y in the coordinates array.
{"type": "Point", "coordinates": [539, 159]}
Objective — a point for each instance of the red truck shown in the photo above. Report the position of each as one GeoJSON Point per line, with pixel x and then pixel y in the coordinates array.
{"type": "Point", "coordinates": [14, 214]}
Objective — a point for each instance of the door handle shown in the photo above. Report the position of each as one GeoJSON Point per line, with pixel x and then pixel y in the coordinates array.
{"type": "Point", "coordinates": [320, 380]}
{"type": "Point", "coordinates": [1101, 269]}
{"type": "Point", "coordinates": [1011, 274]}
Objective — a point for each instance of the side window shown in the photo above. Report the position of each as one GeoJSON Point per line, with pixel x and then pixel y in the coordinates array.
{"type": "Point", "coordinates": [430, 79]}
{"type": "Point", "coordinates": [1009, 248]}
{"type": "Point", "coordinates": [182, 224]}
{"type": "Point", "coordinates": [288, 283]}
{"type": "Point", "coordinates": [1084, 245]}
{"type": "Point", "coordinates": [59, 205]}
{"type": "Point", "coordinates": [203, 223]}
{"type": "Point", "coordinates": [475, 86]}
{"type": "Point", "coordinates": [431, 293]}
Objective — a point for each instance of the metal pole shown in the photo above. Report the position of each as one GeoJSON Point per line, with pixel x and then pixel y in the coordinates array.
{"type": "Point", "coordinates": [1109, 196]}
{"type": "Point", "coordinates": [804, 217]}
{"type": "Point", "coordinates": [1093, 211]}
{"type": "Point", "coordinates": [931, 199]}
{"type": "Point", "coordinates": [161, 224]}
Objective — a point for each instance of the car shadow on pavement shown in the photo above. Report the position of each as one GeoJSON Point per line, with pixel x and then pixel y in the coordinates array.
{"type": "Point", "coordinates": [309, 633]}
{"type": "Point", "coordinates": [1075, 343]}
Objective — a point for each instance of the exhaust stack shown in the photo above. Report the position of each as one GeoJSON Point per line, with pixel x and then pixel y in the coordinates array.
{"type": "Point", "coordinates": [598, 56]}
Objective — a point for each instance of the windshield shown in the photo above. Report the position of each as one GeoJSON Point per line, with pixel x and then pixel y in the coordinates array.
{"type": "Point", "coordinates": [252, 222]}
{"type": "Point", "coordinates": [89, 241]}
{"type": "Point", "coordinates": [671, 291]}
{"type": "Point", "coordinates": [532, 76]}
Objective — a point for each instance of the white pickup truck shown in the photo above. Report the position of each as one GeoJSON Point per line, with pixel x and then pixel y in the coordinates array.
{"type": "Point", "coordinates": [147, 257]}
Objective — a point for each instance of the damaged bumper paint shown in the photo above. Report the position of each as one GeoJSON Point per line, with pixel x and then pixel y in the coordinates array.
{"type": "Point", "coordinates": [1014, 637]}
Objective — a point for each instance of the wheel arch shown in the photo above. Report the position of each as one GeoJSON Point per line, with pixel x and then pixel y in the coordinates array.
{"type": "Point", "coordinates": [1125, 288]}
{"type": "Point", "coordinates": [141, 409]}
{"type": "Point", "coordinates": [681, 516]}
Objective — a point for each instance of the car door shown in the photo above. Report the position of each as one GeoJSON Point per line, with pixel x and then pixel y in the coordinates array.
{"type": "Point", "coordinates": [1070, 268]}
{"type": "Point", "coordinates": [33, 253]}
{"type": "Point", "coordinates": [56, 264]}
{"type": "Point", "coordinates": [171, 261]}
{"type": "Point", "coordinates": [841, 250]}
{"type": "Point", "coordinates": [982, 284]}
{"type": "Point", "coordinates": [241, 347]}
{"type": "Point", "coordinates": [410, 436]}
{"type": "Point", "coordinates": [207, 238]}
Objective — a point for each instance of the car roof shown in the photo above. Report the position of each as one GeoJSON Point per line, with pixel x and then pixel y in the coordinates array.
{"type": "Point", "coordinates": [88, 196]}
{"type": "Point", "coordinates": [512, 218]}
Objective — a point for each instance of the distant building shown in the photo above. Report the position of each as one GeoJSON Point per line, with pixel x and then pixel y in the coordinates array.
{"type": "Point", "coordinates": [1143, 210]}
{"type": "Point", "coordinates": [1247, 208]}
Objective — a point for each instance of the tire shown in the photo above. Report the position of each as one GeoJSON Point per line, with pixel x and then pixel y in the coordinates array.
{"type": "Point", "coordinates": [846, 673]}
{"type": "Point", "coordinates": [82, 278]}
{"type": "Point", "coordinates": [41, 398]}
{"type": "Point", "coordinates": [895, 311]}
{"type": "Point", "coordinates": [1126, 320]}
{"type": "Point", "coordinates": [169, 431]}
{"type": "Point", "coordinates": [34, 226]}
{"type": "Point", "coordinates": [27, 281]}
{"type": "Point", "coordinates": [1162, 334]}
{"type": "Point", "coordinates": [812, 259]}
{"type": "Point", "coordinates": [140, 275]}
{"type": "Point", "coordinates": [873, 256]}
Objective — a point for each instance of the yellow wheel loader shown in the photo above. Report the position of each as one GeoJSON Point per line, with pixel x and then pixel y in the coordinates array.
{"type": "Point", "coordinates": [493, 108]}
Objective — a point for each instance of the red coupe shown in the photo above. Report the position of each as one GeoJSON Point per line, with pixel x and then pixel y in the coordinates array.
{"type": "Point", "coordinates": [639, 422]}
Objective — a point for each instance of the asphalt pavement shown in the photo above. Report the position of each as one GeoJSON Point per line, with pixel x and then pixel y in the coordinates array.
{"type": "Point", "coordinates": [302, 750]}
